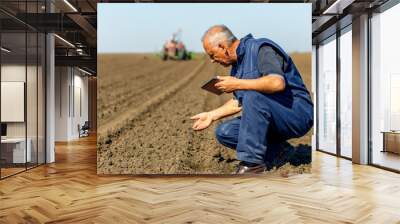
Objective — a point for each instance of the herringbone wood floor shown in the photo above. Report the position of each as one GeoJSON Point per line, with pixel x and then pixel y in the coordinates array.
{"type": "Point", "coordinates": [69, 191]}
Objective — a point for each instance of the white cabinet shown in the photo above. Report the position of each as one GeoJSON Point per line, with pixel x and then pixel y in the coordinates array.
{"type": "Point", "coordinates": [16, 147]}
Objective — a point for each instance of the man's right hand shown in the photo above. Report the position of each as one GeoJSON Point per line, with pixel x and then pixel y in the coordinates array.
{"type": "Point", "coordinates": [203, 120]}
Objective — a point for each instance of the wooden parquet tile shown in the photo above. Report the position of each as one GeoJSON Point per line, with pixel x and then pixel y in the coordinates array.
{"type": "Point", "coordinates": [70, 191]}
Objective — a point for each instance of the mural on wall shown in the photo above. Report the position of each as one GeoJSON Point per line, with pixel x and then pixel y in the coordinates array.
{"type": "Point", "coordinates": [254, 113]}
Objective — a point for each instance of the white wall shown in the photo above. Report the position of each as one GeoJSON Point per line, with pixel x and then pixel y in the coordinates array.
{"type": "Point", "coordinates": [62, 81]}
{"type": "Point", "coordinates": [81, 102]}
{"type": "Point", "coordinates": [14, 73]}
{"type": "Point", "coordinates": [10, 73]}
{"type": "Point", "coordinates": [70, 83]}
{"type": "Point", "coordinates": [33, 126]}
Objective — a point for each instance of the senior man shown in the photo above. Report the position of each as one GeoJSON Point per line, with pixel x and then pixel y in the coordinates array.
{"type": "Point", "coordinates": [268, 90]}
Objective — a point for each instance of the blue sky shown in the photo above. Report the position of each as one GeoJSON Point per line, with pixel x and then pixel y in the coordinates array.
{"type": "Point", "coordinates": [141, 27]}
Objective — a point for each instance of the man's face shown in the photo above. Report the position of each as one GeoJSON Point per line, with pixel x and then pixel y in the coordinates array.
{"type": "Point", "coordinates": [217, 54]}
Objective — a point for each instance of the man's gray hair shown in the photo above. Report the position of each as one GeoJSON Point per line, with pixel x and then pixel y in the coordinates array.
{"type": "Point", "coordinates": [219, 34]}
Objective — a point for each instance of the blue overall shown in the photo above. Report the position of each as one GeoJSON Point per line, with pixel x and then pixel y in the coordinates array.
{"type": "Point", "coordinates": [267, 120]}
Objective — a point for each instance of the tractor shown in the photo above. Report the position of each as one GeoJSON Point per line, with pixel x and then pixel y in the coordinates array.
{"type": "Point", "coordinates": [174, 49]}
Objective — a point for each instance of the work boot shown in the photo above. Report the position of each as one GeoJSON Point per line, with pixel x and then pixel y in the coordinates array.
{"type": "Point", "coordinates": [246, 168]}
{"type": "Point", "coordinates": [289, 154]}
{"type": "Point", "coordinates": [301, 156]}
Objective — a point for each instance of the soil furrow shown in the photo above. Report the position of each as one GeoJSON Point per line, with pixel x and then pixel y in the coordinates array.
{"type": "Point", "coordinates": [111, 127]}
{"type": "Point", "coordinates": [116, 100]}
{"type": "Point", "coordinates": [156, 143]}
{"type": "Point", "coordinates": [124, 100]}
{"type": "Point", "coordinates": [150, 131]}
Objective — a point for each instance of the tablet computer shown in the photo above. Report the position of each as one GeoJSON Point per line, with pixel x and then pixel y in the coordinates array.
{"type": "Point", "coordinates": [210, 86]}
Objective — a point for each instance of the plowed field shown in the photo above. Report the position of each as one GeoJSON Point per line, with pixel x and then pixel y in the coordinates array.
{"type": "Point", "coordinates": [144, 106]}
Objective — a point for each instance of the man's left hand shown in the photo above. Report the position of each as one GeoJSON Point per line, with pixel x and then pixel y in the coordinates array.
{"type": "Point", "coordinates": [227, 83]}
